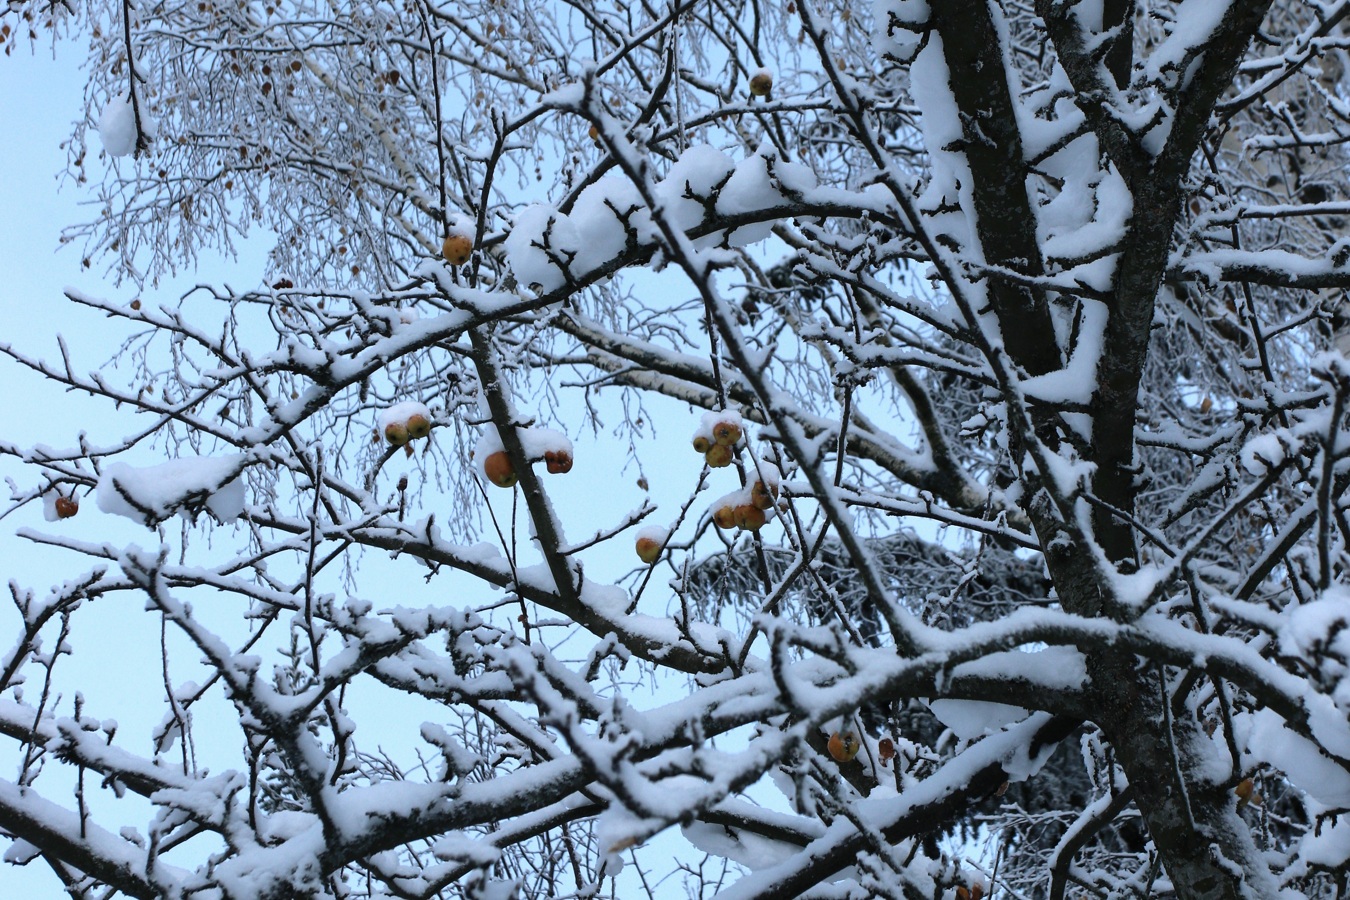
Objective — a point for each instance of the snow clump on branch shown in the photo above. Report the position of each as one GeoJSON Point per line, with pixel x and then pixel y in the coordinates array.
{"type": "Point", "coordinates": [187, 486]}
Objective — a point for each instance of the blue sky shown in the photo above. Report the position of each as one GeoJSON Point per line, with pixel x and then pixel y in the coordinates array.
{"type": "Point", "coordinates": [114, 663]}
{"type": "Point", "coordinates": [39, 97]}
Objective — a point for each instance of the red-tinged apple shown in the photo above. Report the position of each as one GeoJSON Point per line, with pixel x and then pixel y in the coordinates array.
{"type": "Point", "coordinates": [843, 747]}
{"type": "Point", "coordinates": [726, 433]}
{"type": "Point", "coordinates": [762, 496]}
{"type": "Point", "coordinates": [648, 549]}
{"type": "Point", "coordinates": [750, 517]}
{"type": "Point", "coordinates": [499, 470]}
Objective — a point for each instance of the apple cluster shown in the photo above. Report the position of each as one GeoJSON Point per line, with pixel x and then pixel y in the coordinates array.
{"type": "Point", "coordinates": [717, 436]}
{"type": "Point", "coordinates": [716, 439]}
{"type": "Point", "coordinates": [746, 508]}
{"type": "Point", "coordinates": [406, 421]}
{"type": "Point", "coordinates": [539, 444]}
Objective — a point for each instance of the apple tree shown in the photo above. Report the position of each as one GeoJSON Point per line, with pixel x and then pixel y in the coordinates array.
{"type": "Point", "coordinates": [965, 374]}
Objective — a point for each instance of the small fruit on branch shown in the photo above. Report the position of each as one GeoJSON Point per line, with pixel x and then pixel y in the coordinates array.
{"type": "Point", "coordinates": [843, 746]}
{"type": "Point", "coordinates": [750, 517]}
{"type": "Point", "coordinates": [457, 249]}
{"type": "Point", "coordinates": [719, 428]}
{"type": "Point", "coordinates": [727, 433]}
{"type": "Point", "coordinates": [419, 426]}
{"type": "Point", "coordinates": [764, 490]}
{"type": "Point", "coordinates": [761, 83]}
{"type": "Point", "coordinates": [498, 469]}
{"type": "Point", "coordinates": [405, 421]}
{"type": "Point", "coordinates": [718, 456]}
{"type": "Point", "coordinates": [650, 541]}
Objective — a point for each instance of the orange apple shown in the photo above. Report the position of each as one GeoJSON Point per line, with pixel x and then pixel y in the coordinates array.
{"type": "Point", "coordinates": [725, 516]}
{"type": "Point", "coordinates": [66, 507]}
{"type": "Point", "coordinates": [750, 517]}
{"type": "Point", "coordinates": [702, 443]}
{"type": "Point", "coordinates": [457, 249]}
{"type": "Point", "coordinates": [648, 549]}
{"type": "Point", "coordinates": [1246, 788]}
{"type": "Point", "coordinates": [499, 470]}
{"type": "Point", "coordinates": [762, 496]}
{"type": "Point", "coordinates": [843, 747]}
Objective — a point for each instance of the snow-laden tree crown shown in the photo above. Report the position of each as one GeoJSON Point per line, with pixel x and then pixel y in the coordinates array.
{"type": "Point", "coordinates": [943, 403]}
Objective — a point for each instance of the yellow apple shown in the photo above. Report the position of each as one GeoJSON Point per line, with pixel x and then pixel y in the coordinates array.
{"type": "Point", "coordinates": [726, 433]}
{"type": "Point", "coordinates": [418, 426]}
{"type": "Point", "coordinates": [750, 517]}
{"type": "Point", "coordinates": [457, 249]}
{"type": "Point", "coordinates": [718, 456]}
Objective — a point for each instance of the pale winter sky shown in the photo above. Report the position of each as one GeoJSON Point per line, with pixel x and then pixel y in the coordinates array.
{"type": "Point", "coordinates": [115, 659]}
{"type": "Point", "coordinates": [38, 99]}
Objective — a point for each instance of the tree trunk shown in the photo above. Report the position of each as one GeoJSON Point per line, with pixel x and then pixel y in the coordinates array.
{"type": "Point", "coordinates": [1179, 776]}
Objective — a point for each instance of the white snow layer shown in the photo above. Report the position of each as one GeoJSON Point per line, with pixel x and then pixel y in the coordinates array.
{"type": "Point", "coordinates": [117, 127]}
{"type": "Point", "coordinates": [898, 31]}
{"type": "Point", "coordinates": [972, 719]}
{"type": "Point", "coordinates": [402, 412]}
{"type": "Point", "coordinates": [1301, 761]}
{"type": "Point", "coordinates": [151, 495]}
{"type": "Point", "coordinates": [653, 532]}
{"type": "Point", "coordinates": [546, 247]}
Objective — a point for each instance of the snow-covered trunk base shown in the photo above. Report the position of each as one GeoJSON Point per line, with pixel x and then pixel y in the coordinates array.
{"type": "Point", "coordinates": [1179, 777]}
